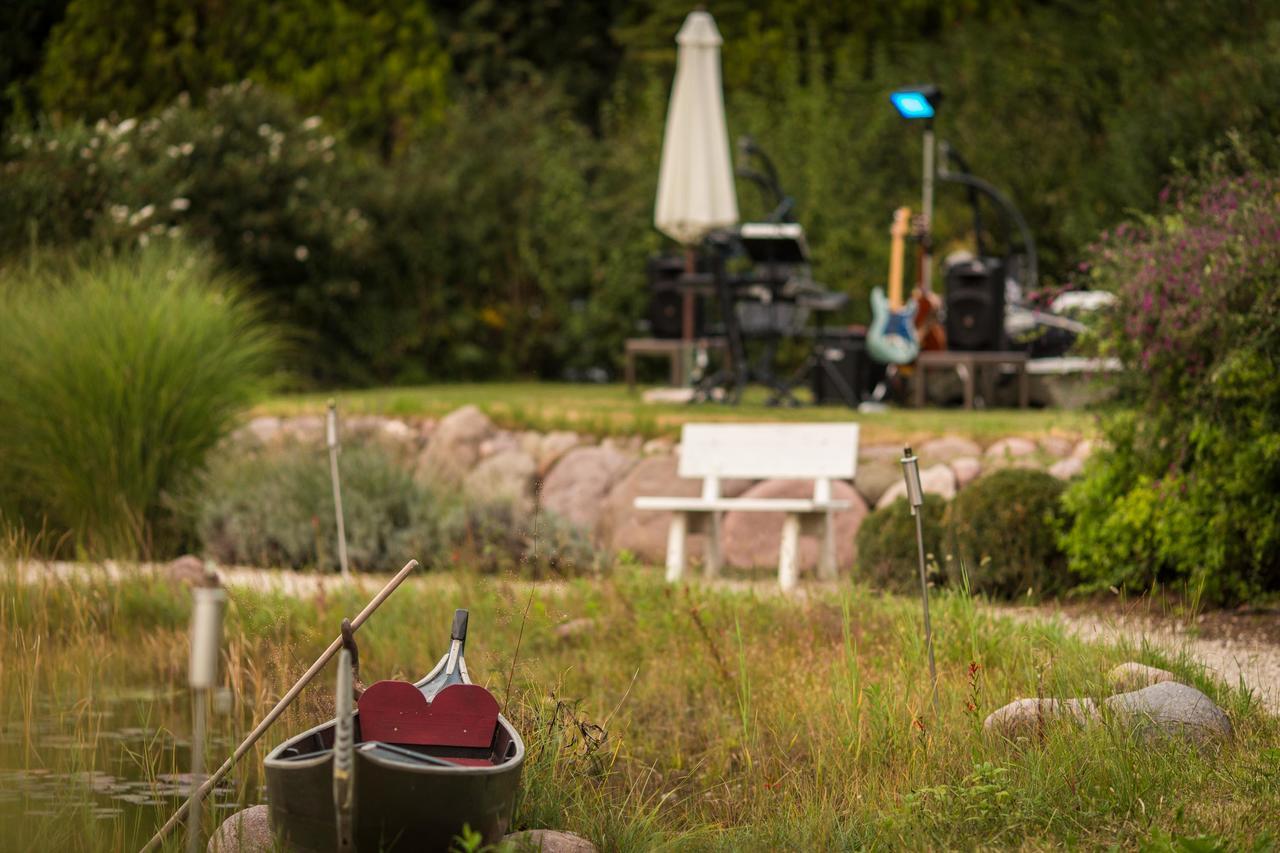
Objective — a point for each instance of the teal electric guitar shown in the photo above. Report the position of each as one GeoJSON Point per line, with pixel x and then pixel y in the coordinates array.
{"type": "Point", "coordinates": [891, 337]}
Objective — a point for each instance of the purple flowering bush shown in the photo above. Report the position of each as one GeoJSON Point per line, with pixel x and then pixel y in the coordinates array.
{"type": "Point", "coordinates": [1188, 492]}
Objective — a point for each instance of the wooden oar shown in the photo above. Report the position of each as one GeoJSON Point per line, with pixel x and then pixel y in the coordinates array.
{"type": "Point", "coordinates": [279, 708]}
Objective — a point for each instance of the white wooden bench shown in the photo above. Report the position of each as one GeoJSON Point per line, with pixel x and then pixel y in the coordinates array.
{"type": "Point", "coordinates": [715, 452]}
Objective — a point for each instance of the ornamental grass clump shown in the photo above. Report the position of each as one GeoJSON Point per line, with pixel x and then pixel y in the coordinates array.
{"type": "Point", "coordinates": [119, 375]}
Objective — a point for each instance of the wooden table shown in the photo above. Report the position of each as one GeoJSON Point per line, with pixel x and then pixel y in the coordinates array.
{"type": "Point", "coordinates": [671, 348]}
{"type": "Point", "coordinates": [971, 362]}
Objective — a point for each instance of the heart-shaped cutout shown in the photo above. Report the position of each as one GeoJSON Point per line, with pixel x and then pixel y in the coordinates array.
{"type": "Point", "coordinates": [459, 715]}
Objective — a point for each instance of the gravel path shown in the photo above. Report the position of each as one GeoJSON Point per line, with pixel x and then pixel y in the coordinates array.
{"type": "Point", "coordinates": [1236, 647]}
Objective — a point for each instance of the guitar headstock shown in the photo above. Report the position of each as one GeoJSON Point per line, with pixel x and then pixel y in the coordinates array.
{"type": "Point", "coordinates": [901, 223]}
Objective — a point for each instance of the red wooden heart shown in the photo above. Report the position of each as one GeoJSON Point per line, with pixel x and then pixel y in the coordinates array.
{"type": "Point", "coordinates": [397, 712]}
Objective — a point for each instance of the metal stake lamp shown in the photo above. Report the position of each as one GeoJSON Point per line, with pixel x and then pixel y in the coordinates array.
{"type": "Point", "coordinates": [208, 603]}
{"type": "Point", "coordinates": [915, 495]}
{"type": "Point", "coordinates": [920, 103]}
{"type": "Point", "coordinates": [331, 438]}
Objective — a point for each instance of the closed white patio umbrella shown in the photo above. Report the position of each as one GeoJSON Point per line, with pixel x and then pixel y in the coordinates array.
{"type": "Point", "coordinates": [696, 193]}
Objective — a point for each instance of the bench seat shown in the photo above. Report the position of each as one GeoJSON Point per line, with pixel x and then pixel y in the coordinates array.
{"type": "Point", "coordinates": [740, 505]}
{"type": "Point", "coordinates": [715, 452]}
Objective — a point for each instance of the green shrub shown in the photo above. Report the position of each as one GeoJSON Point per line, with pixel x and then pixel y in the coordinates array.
{"type": "Point", "coordinates": [1004, 532]}
{"type": "Point", "coordinates": [887, 544]}
{"type": "Point", "coordinates": [274, 507]}
{"type": "Point", "coordinates": [493, 538]}
{"type": "Point", "coordinates": [119, 376]}
{"type": "Point", "coordinates": [1188, 492]}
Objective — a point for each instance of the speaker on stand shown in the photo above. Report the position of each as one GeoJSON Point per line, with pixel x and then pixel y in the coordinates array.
{"type": "Point", "coordinates": [975, 304]}
{"type": "Point", "coordinates": [666, 301]}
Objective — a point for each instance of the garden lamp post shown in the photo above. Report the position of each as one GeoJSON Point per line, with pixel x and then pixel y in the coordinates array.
{"type": "Point", "coordinates": [915, 496]}
{"type": "Point", "coordinates": [331, 439]}
{"type": "Point", "coordinates": [207, 604]}
{"type": "Point", "coordinates": [920, 103]}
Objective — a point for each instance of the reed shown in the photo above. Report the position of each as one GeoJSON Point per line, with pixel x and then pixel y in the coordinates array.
{"type": "Point", "coordinates": [688, 718]}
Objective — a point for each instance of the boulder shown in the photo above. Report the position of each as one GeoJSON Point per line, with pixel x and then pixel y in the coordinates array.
{"type": "Point", "coordinates": [879, 453]}
{"type": "Point", "coordinates": [505, 476]}
{"type": "Point", "coordinates": [554, 445]}
{"type": "Point", "coordinates": [947, 449]}
{"type": "Point", "coordinates": [628, 444]}
{"type": "Point", "coordinates": [499, 442]}
{"type": "Point", "coordinates": [548, 841]}
{"type": "Point", "coordinates": [246, 831]}
{"type": "Point", "coordinates": [1085, 449]}
{"type": "Point", "coordinates": [875, 476]}
{"type": "Point", "coordinates": [937, 480]}
{"type": "Point", "coordinates": [303, 429]}
{"type": "Point", "coordinates": [1013, 447]}
{"type": "Point", "coordinates": [1024, 718]}
{"type": "Point", "coordinates": [966, 469]}
{"type": "Point", "coordinates": [1056, 446]}
{"type": "Point", "coordinates": [576, 487]}
{"type": "Point", "coordinates": [263, 430]}
{"type": "Point", "coordinates": [658, 447]}
{"type": "Point", "coordinates": [1065, 469]}
{"type": "Point", "coordinates": [454, 448]}
{"type": "Point", "coordinates": [642, 532]}
{"type": "Point", "coordinates": [1125, 677]}
{"type": "Point", "coordinates": [751, 539]}
{"type": "Point", "coordinates": [187, 569]}
{"type": "Point", "coordinates": [1170, 709]}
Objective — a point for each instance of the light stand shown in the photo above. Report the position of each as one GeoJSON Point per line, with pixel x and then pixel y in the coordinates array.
{"type": "Point", "coordinates": [915, 495]}
{"type": "Point", "coordinates": [331, 438]}
{"type": "Point", "coordinates": [920, 103]}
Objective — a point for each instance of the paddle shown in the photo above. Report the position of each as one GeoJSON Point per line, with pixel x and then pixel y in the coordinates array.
{"type": "Point", "coordinates": [275, 712]}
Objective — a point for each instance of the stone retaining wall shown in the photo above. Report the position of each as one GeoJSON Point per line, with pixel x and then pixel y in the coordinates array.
{"type": "Point", "coordinates": [594, 482]}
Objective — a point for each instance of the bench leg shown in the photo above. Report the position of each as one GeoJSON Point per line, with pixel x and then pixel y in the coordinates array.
{"type": "Point", "coordinates": [789, 553]}
{"type": "Point", "coordinates": [711, 568]}
{"type": "Point", "coordinates": [827, 554]}
{"type": "Point", "coordinates": [675, 546]}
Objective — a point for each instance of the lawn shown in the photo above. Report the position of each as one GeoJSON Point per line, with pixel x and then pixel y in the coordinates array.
{"type": "Point", "coordinates": [611, 409]}
{"type": "Point", "coordinates": [688, 718]}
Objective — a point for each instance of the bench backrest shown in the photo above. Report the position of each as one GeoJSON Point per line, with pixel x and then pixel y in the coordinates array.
{"type": "Point", "coordinates": [819, 452]}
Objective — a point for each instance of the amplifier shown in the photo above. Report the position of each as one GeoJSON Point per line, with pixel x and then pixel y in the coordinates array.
{"type": "Point", "coordinates": [666, 302]}
{"type": "Point", "coordinates": [843, 372]}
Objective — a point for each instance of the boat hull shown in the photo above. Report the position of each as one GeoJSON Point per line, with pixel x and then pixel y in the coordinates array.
{"type": "Point", "coordinates": [397, 806]}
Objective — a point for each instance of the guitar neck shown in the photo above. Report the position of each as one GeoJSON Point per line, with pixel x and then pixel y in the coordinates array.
{"type": "Point", "coordinates": [897, 251]}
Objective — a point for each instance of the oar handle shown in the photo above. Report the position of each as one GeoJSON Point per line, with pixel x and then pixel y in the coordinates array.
{"type": "Point", "coordinates": [275, 712]}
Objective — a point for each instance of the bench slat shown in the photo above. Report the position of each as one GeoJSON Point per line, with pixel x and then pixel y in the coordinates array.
{"type": "Point", "coordinates": [740, 504]}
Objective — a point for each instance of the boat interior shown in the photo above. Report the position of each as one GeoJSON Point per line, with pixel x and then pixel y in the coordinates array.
{"type": "Point", "coordinates": [458, 726]}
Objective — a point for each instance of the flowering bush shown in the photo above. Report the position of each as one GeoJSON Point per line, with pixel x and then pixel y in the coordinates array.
{"type": "Point", "coordinates": [1189, 490]}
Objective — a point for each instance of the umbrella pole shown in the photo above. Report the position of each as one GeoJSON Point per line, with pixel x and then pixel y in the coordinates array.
{"type": "Point", "coordinates": [686, 325]}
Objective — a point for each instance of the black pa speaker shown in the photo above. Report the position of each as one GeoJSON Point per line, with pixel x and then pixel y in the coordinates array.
{"type": "Point", "coordinates": [975, 305]}
{"type": "Point", "coordinates": [666, 302]}
{"type": "Point", "coordinates": [843, 372]}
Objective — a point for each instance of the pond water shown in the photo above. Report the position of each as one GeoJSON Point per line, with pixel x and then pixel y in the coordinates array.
{"type": "Point", "coordinates": [105, 774]}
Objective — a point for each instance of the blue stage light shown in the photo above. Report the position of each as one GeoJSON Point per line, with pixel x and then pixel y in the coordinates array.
{"type": "Point", "coordinates": [916, 102]}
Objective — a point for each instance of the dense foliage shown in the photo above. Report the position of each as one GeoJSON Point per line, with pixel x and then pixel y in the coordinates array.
{"type": "Point", "coordinates": [118, 377]}
{"type": "Point", "coordinates": [272, 506]}
{"type": "Point", "coordinates": [1189, 491]}
{"type": "Point", "coordinates": [1003, 531]}
{"type": "Point", "coordinates": [500, 159]}
{"type": "Point", "coordinates": [887, 551]}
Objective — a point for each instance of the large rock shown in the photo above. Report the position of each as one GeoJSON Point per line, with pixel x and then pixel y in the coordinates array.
{"type": "Point", "coordinates": [1013, 447]}
{"type": "Point", "coordinates": [1170, 709]}
{"type": "Point", "coordinates": [642, 532]}
{"type": "Point", "coordinates": [1057, 446]}
{"type": "Point", "coordinates": [303, 429]}
{"type": "Point", "coordinates": [1125, 677]}
{"type": "Point", "coordinates": [751, 539]}
{"type": "Point", "coordinates": [505, 477]}
{"type": "Point", "coordinates": [262, 430]}
{"type": "Point", "coordinates": [947, 449]}
{"type": "Point", "coordinates": [1085, 449]}
{"type": "Point", "coordinates": [1024, 718]}
{"type": "Point", "coordinates": [1065, 469]}
{"type": "Point", "coordinates": [548, 841]}
{"type": "Point", "coordinates": [879, 453]}
{"type": "Point", "coordinates": [554, 445]}
{"type": "Point", "coordinates": [875, 476]}
{"type": "Point", "coordinates": [937, 480]}
{"type": "Point", "coordinates": [455, 446]}
{"type": "Point", "coordinates": [576, 487]}
{"type": "Point", "coordinates": [246, 831]}
{"type": "Point", "coordinates": [966, 469]}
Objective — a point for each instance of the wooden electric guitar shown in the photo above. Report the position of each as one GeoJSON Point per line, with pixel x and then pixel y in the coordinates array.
{"type": "Point", "coordinates": [891, 336]}
{"type": "Point", "coordinates": [929, 330]}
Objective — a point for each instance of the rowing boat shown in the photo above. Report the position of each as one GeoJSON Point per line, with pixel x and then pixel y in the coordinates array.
{"type": "Point", "coordinates": [408, 769]}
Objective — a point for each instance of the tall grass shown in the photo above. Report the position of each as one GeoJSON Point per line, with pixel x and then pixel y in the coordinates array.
{"type": "Point", "coordinates": [119, 375]}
